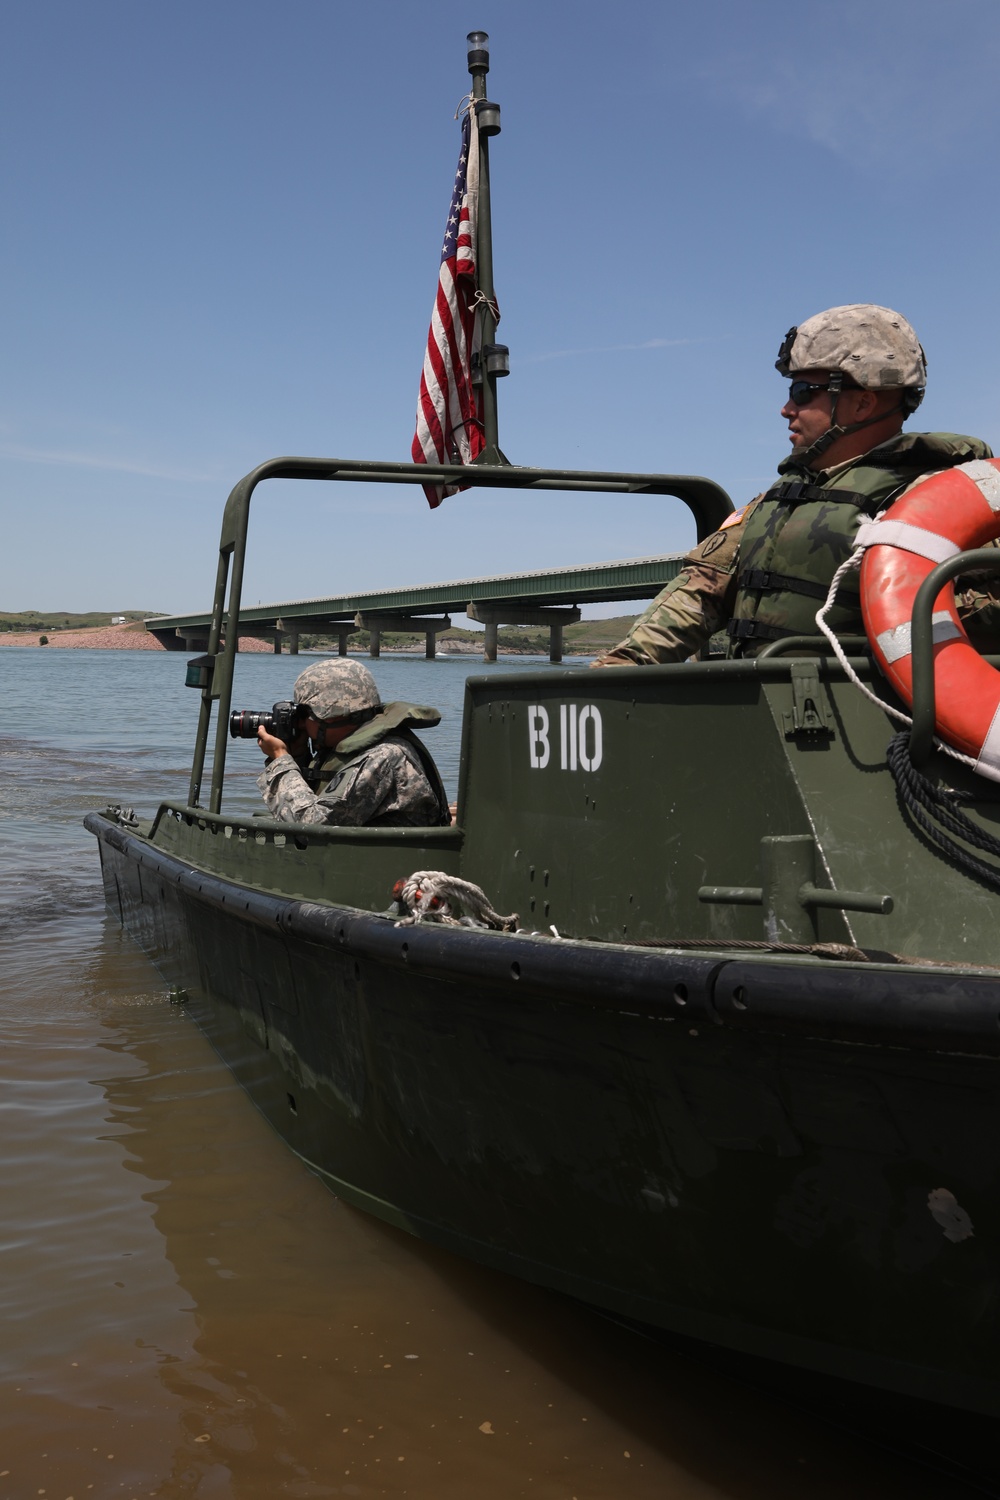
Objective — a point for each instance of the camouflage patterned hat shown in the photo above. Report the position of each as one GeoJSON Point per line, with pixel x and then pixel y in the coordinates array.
{"type": "Point", "coordinates": [335, 689]}
{"type": "Point", "coordinates": [875, 346]}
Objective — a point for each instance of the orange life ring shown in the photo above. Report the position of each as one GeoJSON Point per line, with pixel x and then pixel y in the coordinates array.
{"type": "Point", "coordinates": [947, 513]}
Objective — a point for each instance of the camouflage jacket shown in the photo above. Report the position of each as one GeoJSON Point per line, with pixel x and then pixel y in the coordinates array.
{"type": "Point", "coordinates": [767, 571]}
{"type": "Point", "coordinates": [381, 776]}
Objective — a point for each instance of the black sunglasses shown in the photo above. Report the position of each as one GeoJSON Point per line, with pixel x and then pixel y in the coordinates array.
{"type": "Point", "coordinates": [801, 392]}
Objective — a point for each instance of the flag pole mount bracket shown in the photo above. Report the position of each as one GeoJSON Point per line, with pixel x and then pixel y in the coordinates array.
{"type": "Point", "coordinates": [491, 455]}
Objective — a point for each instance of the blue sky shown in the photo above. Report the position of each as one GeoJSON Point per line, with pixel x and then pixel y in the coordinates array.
{"type": "Point", "coordinates": [220, 236]}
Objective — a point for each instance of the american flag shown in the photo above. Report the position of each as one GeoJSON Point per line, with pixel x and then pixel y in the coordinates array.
{"type": "Point", "coordinates": [449, 415]}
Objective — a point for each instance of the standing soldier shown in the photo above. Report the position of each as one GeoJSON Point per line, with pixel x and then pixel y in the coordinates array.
{"type": "Point", "coordinates": [857, 373]}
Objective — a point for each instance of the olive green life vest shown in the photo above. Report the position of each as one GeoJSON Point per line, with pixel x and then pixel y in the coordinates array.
{"type": "Point", "coordinates": [392, 721]}
{"type": "Point", "coordinates": [798, 534]}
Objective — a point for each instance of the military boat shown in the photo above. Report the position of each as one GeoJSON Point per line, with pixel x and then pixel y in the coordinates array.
{"type": "Point", "coordinates": [736, 1075]}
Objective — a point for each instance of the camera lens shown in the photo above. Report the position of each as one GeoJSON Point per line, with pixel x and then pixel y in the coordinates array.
{"type": "Point", "coordinates": [244, 723]}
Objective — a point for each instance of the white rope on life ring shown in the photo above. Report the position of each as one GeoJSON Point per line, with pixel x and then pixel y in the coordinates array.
{"type": "Point", "coordinates": [949, 512]}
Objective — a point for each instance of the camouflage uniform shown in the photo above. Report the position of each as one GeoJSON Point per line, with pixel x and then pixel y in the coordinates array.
{"type": "Point", "coordinates": [767, 571]}
{"type": "Point", "coordinates": [385, 786]}
{"type": "Point", "coordinates": [691, 608]}
{"type": "Point", "coordinates": [379, 775]}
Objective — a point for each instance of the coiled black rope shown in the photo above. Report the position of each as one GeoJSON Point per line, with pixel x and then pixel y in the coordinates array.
{"type": "Point", "coordinates": [937, 811]}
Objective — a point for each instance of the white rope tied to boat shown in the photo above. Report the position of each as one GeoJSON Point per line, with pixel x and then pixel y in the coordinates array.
{"type": "Point", "coordinates": [126, 816]}
{"type": "Point", "coordinates": [434, 896]}
{"type": "Point", "coordinates": [861, 545]}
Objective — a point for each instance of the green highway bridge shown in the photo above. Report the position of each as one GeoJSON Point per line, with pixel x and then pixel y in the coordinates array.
{"type": "Point", "coordinates": [550, 599]}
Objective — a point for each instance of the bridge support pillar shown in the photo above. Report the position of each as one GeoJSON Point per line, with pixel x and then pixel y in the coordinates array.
{"type": "Point", "coordinates": [291, 629]}
{"type": "Point", "coordinates": [493, 615]}
{"type": "Point", "coordinates": [376, 623]}
{"type": "Point", "coordinates": [192, 640]}
{"type": "Point", "coordinates": [432, 629]}
{"type": "Point", "coordinates": [343, 636]}
{"type": "Point", "coordinates": [277, 643]}
{"type": "Point", "coordinates": [375, 642]}
{"type": "Point", "coordinates": [171, 641]}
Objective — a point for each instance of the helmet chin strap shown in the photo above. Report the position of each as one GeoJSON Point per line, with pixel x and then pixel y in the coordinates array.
{"type": "Point", "coordinates": [835, 431]}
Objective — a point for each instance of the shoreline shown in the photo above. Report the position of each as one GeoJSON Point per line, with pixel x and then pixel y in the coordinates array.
{"type": "Point", "coordinates": [104, 638]}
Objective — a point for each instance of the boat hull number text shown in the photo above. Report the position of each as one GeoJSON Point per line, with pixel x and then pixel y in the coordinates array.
{"type": "Point", "coordinates": [576, 734]}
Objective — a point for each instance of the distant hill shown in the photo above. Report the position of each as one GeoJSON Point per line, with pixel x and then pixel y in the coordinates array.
{"type": "Point", "coordinates": [64, 619]}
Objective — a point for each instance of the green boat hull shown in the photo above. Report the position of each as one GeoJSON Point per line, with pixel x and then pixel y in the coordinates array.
{"type": "Point", "coordinates": [669, 1114]}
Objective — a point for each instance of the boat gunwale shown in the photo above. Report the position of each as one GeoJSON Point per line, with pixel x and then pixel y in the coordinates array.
{"type": "Point", "coordinates": [303, 834]}
{"type": "Point", "coordinates": [942, 1010]}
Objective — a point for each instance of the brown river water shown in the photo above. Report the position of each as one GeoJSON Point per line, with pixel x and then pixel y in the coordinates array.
{"type": "Point", "coordinates": [186, 1310]}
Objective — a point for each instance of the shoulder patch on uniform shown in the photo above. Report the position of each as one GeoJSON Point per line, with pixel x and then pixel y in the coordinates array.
{"type": "Point", "coordinates": [736, 516]}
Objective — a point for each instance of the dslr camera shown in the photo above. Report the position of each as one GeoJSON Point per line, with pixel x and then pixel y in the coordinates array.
{"type": "Point", "coordinates": [283, 721]}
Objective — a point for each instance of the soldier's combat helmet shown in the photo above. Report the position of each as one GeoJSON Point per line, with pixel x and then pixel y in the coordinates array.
{"type": "Point", "coordinates": [874, 346]}
{"type": "Point", "coordinates": [336, 689]}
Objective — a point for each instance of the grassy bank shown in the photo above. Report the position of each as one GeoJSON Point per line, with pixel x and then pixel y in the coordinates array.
{"type": "Point", "coordinates": [64, 619]}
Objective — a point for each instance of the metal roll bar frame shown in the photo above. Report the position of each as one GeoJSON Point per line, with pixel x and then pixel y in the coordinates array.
{"type": "Point", "coordinates": [708, 502]}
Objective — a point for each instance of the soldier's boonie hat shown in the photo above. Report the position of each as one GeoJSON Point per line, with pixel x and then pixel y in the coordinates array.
{"type": "Point", "coordinates": [875, 346]}
{"type": "Point", "coordinates": [336, 689]}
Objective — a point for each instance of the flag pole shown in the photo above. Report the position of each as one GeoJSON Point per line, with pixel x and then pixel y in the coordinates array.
{"type": "Point", "coordinates": [494, 357]}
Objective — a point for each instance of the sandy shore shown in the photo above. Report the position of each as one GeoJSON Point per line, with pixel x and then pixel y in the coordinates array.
{"type": "Point", "coordinates": [109, 638]}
